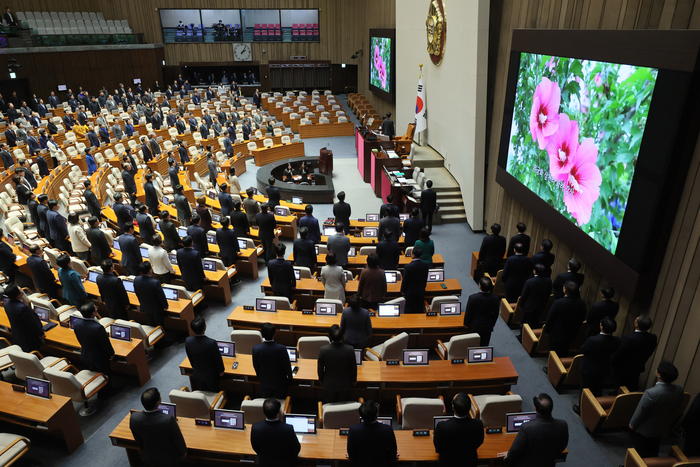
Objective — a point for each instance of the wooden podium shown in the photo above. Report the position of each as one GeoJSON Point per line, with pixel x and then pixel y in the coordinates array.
{"type": "Point", "coordinates": [325, 162]}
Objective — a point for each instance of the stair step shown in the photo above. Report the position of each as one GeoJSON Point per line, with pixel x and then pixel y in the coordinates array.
{"type": "Point", "coordinates": [452, 209]}
{"type": "Point", "coordinates": [453, 219]}
{"type": "Point", "coordinates": [451, 202]}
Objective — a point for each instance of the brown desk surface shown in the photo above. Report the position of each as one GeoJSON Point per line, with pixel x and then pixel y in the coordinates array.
{"type": "Point", "coordinates": [362, 241]}
{"type": "Point", "coordinates": [361, 260]}
{"type": "Point", "coordinates": [322, 130]}
{"type": "Point", "coordinates": [278, 152]}
{"type": "Point", "coordinates": [431, 288]}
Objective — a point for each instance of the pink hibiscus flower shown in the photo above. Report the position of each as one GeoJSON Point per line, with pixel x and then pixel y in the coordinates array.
{"type": "Point", "coordinates": [544, 116]}
{"type": "Point", "coordinates": [551, 64]}
{"type": "Point", "coordinates": [377, 56]}
{"type": "Point", "coordinates": [598, 79]}
{"type": "Point", "coordinates": [562, 148]}
{"type": "Point", "coordinates": [382, 73]}
{"type": "Point", "coordinates": [582, 186]}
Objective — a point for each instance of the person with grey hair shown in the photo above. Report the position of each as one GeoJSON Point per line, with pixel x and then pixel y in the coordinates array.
{"type": "Point", "coordinates": [117, 129]}
{"type": "Point", "coordinates": [153, 143]}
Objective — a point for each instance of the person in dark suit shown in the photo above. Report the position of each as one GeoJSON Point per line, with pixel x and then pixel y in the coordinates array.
{"type": "Point", "coordinates": [225, 200]}
{"type": "Point", "coordinates": [412, 227]}
{"type": "Point", "coordinates": [26, 326]}
{"type": "Point", "coordinates": [428, 204]}
{"type": "Point", "coordinates": [7, 159]}
{"type": "Point", "coordinates": [516, 271]}
{"type": "Point", "coordinates": [95, 347]}
{"type": "Point", "coordinates": [415, 276]}
{"type": "Point", "coordinates": [44, 279]}
{"type": "Point", "coordinates": [355, 323]}
{"type": "Point", "coordinates": [604, 308]}
{"type": "Point", "coordinates": [22, 188]}
{"type": "Point", "coordinates": [274, 432]}
{"type": "Point", "coordinates": [281, 274]}
{"type": "Point", "coordinates": [339, 244]}
{"type": "Point", "coordinates": [690, 427]}
{"type": "Point", "coordinates": [129, 183]}
{"type": "Point", "coordinates": [204, 214]}
{"type": "Point", "coordinates": [388, 126]}
{"type": "Point", "coordinates": [337, 368]}
{"type": "Point", "coordinates": [124, 212]}
{"type": "Point", "coordinates": [157, 434]}
{"type": "Point", "coordinates": [171, 239]}
{"type": "Point", "coordinates": [93, 205]}
{"type": "Point", "coordinates": [100, 248]}
{"type": "Point", "coordinates": [190, 262]}
{"type": "Point", "coordinates": [146, 228]}
{"type": "Point", "coordinates": [482, 311]}
{"type": "Point", "coordinates": [571, 275]}
{"type": "Point", "coordinates": [271, 364]}
{"type": "Point", "coordinates": [266, 231]}
{"type": "Point", "coordinates": [212, 167]}
{"type": "Point", "coordinates": [112, 291]}
{"type": "Point", "coordinates": [541, 441]}
{"type": "Point", "coordinates": [492, 250]}
{"type": "Point", "coordinates": [304, 250]}
{"type": "Point", "coordinates": [10, 18]}
{"type": "Point", "coordinates": [388, 251]}
{"type": "Point", "coordinates": [184, 210]}
{"type": "Point", "coordinates": [203, 352]}
{"type": "Point", "coordinates": [457, 439]}
{"type": "Point", "coordinates": [520, 237]}
{"type": "Point", "coordinates": [228, 243]}
{"type": "Point", "coordinates": [342, 212]}
{"type": "Point", "coordinates": [371, 443]}
{"type": "Point", "coordinates": [182, 151]}
{"type": "Point", "coordinates": [58, 227]}
{"type": "Point", "coordinates": [151, 296]}
{"type": "Point", "coordinates": [129, 246]}
{"type": "Point", "coordinates": [146, 150]}
{"type": "Point", "coordinates": [389, 209]}
{"type": "Point", "coordinates": [311, 223]}
{"type": "Point", "coordinates": [152, 200]}
{"type": "Point", "coordinates": [655, 413]}
{"type": "Point", "coordinates": [544, 257]}
{"type": "Point", "coordinates": [391, 223]}
{"type": "Point", "coordinates": [534, 297]}
{"type": "Point", "coordinates": [564, 320]}
{"type": "Point", "coordinates": [11, 135]}
{"type": "Point", "coordinates": [239, 220]}
{"type": "Point", "coordinates": [42, 211]}
{"type": "Point", "coordinates": [28, 175]}
{"type": "Point", "coordinates": [632, 355]}
{"type": "Point", "coordinates": [198, 235]}
{"type": "Point", "coordinates": [173, 171]}
{"type": "Point", "coordinates": [32, 205]}
{"type": "Point", "coordinates": [7, 258]}
{"type": "Point", "coordinates": [273, 194]}
{"type": "Point", "coordinates": [92, 138]}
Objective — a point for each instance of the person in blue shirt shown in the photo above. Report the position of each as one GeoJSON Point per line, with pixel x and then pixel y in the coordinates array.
{"type": "Point", "coordinates": [73, 289]}
{"type": "Point", "coordinates": [90, 160]}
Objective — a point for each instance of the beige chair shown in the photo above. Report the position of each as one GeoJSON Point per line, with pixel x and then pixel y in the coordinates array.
{"type": "Point", "coordinates": [282, 303]}
{"type": "Point", "coordinates": [322, 249]}
{"type": "Point", "coordinates": [33, 364]}
{"type": "Point", "coordinates": [62, 313]}
{"type": "Point", "coordinates": [339, 415]}
{"type": "Point", "coordinates": [338, 304]}
{"type": "Point", "coordinates": [253, 409]}
{"type": "Point", "coordinates": [418, 412]}
{"type": "Point", "coordinates": [79, 386]}
{"type": "Point", "coordinates": [437, 301]}
{"type": "Point", "coordinates": [564, 371]}
{"type": "Point", "coordinates": [252, 147]}
{"type": "Point", "coordinates": [608, 412]}
{"type": "Point", "coordinates": [535, 341]}
{"type": "Point", "coordinates": [304, 272]}
{"type": "Point", "coordinates": [268, 142]}
{"type": "Point", "coordinates": [675, 458]}
{"type": "Point", "coordinates": [246, 340]}
{"type": "Point", "coordinates": [309, 346]}
{"type": "Point", "coordinates": [457, 346]}
{"type": "Point", "coordinates": [391, 349]}
{"type": "Point", "coordinates": [287, 211]}
{"type": "Point", "coordinates": [5, 349]}
{"type": "Point", "coordinates": [367, 250]}
{"type": "Point", "coordinates": [12, 447]}
{"type": "Point", "coordinates": [492, 409]}
{"type": "Point", "coordinates": [149, 335]}
{"type": "Point", "coordinates": [197, 404]}
{"type": "Point", "coordinates": [286, 139]}
{"type": "Point", "coordinates": [512, 313]}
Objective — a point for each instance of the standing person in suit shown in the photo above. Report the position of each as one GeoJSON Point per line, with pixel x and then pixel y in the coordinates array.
{"type": "Point", "coordinates": [184, 210]}
{"type": "Point", "coordinates": [212, 167]}
{"type": "Point", "coordinates": [534, 297]}
{"type": "Point", "coordinates": [26, 326]}
{"type": "Point", "coordinates": [173, 171]}
{"type": "Point", "coordinates": [571, 275]}
{"type": "Point", "coordinates": [151, 194]}
{"type": "Point", "coordinates": [182, 151]}
{"type": "Point", "coordinates": [336, 367]}
{"type": "Point", "coordinates": [606, 308]}
{"type": "Point", "coordinates": [412, 228]}
{"type": "Point", "coordinates": [544, 257]}
{"type": "Point", "coordinates": [355, 324]}
{"type": "Point", "coordinates": [112, 291]}
{"type": "Point", "coordinates": [233, 180]}
{"type": "Point", "coordinates": [564, 320]}
{"type": "Point", "coordinates": [44, 279]}
{"type": "Point", "coordinates": [228, 243]}
{"type": "Point", "coordinates": [333, 279]}
{"type": "Point", "coordinates": [204, 214]}
{"type": "Point", "coordinates": [129, 183]}
{"type": "Point", "coordinates": [415, 276]}
{"type": "Point", "coordinates": [389, 209]}
{"type": "Point", "coordinates": [391, 223]}
{"type": "Point", "coordinates": [79, 242]}
{"type": "Point", "coordinates": [515, 272]}
{"type": "Point", "coordinates": [632, 355]}
{"type": "Point", "coordinates": [146, 227]}
{"type": "Point", "coordinates": [93, 205]}
{"type": "Point", "coordinates": [492, 250]}
{"type": "Point", "coordinates": [271, 364]}
{"type": "Point", "coordinates": [225, 200]}
{"type": "Point", "coordinates": [304, 250]}
{"type": "Point", "coordinates": [251, 207]}
{"type": "Point", "coordinates": [239, 220]}
{"type": "Point", "coordinates": [339, 244]}
{"type": "Point", "coordinates": [32, 205]}
{"type": "Point", "coordinates": [311, 223]}
{"type": "Point", "coordinates": [171, 239]}
{"type": "Point", "coordinates": [388, 251]}
{"type": "Point", "coordinates": [190, 262]}
{"type": "Point", "coordinates": [273, 194]}
{"type": "Point", "coordinates": [160, 261]}
{"type": "Point", "coordinates": [274, 432]}
{"type": "Point", "coordinates": [124, 212]}
{"type": "Point", "coordinates": [7, 258]}
{"type": "Point", "coordinates": [7, 159]}
{"type": "Point", "coordinates": [428, 204]}
{"type": "Point", "coordinates": [203, 352]}
{"type": "Point", "coordinates": [372, 283]}
{"type": "Point", "coordinates": [73, 290]}
{"type": "Point", "coordinates": [157, 434]}
{"type": "Point", "coordinates": [131, 253]}
{"type": "Point", "coordinates": [457, 439]}
{"type": "Point", "coordinates": [541, 441]}
{"type": "Point", "coordinates": [266, 231]}
{"type": "Point", "coordinates": [388, 126]}
{"type": "Point", "coordinates": [342, 212]}
{"type": "Point", "coordinates": [482, 311]}
{"type": "Point", "coordinates": [198, 236]}
{"type": "Point", "coordinates": [371, 443]}
{"type": "Point", "coordinates": [100, 247]}
{"type": "Point", "coordinates": [151, 296]}
{"type": "Point", "coordinates": [520, 237]}
{"type": "Point", "coordinates": [655, 412]}
{"type": "Point", "coordinates": [57, 227]}
{"type": "Point", "coordinates": [281, 274]}
{"type": "Point", "coordinates": [95, 347]}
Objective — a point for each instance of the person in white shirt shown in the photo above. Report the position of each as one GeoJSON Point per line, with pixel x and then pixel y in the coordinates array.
{"type": "Point", "coordinates": [78, 240]}
{"type": "Point", "coordinates": [235, 184]}
{"type": "Point", "coordinates": [160, 261]}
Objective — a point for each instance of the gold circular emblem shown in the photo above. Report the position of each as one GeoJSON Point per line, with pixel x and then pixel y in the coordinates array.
{"type": "Point", "coordinates": [436, 28]}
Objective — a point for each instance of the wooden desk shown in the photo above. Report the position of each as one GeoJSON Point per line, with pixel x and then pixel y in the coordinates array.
{"type": "Point", "coordinates": [278, 152]}
{"type": "Point", "coordinates": [362, 241]}
{"type": "Point", "coordinates": [55, 416]}
{"type": "Point", "coordinates": [323, 130]}
{"type": "Point", "coordinates": [360, 261]}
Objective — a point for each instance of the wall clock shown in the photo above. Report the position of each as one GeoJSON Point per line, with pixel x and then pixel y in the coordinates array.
{"type": "Point", "coordinates": [436, 29]}
{"type": "Point", "coordinates": [242, 53]}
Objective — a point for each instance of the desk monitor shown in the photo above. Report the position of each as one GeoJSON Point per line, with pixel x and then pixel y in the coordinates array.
{"type": "Point", "coordinates": [211, 194]}
{"type": "Point", "coordinates": [403, 216]}
{"type": "Point", "coordinates": [216, 217]}
{"type": "Point", "coordinates": [62, 87]}
{"type": "Point", "coordinates": [372, 217]}
{"type": "Point", "coordinates": [391, 277]}
{"type": "Point", "coordinates": [516, 420]}
{"type": "Point", "coordinates": [227, 349]}
{"type": "Point", "coordinates": [353, 252]}
{"type": "Point", "coordinates": [209, 265]}
{"type": "Point", "coordinates": [25, 249]}
{"type": "Point", "coordinates": [211, 238]}
{"type": "Point", "coordinates": [38, 387]}
{"type": "Point", "coordinates": [128, 285]}
{"type": "Point", "coordinates": [329, 231]}
{"type": "Point", "coordinates": [358, 356]}
{"type": "Point", "coordinates": [92, 276]}
{"type": "Point", "coordinates": [450, 309]}
{"type": "Point", "coordinates": [385, 420]}
{"type": "Point", "coordinates": [42, 313]}
{"type": "Point", "coordinates": [122, 333]}
{"type": "Point", "coordinates": [158, 226]}
{"type": "Point", "coordinates": [438, 419]}
{"type": "Point", "coordinates": [242, 244]}
{"type": "Point", "coordinates": [255, 190]}
{"type": "Point", "coordinates": [326, 309]}
{"type": "Point", "coordinates": [388, 311]}
{"type": "Point", "coordinates": [170, 294]}
{"type": "Point", "coordinates": [436, 275]}
{"type": "Point", "coordinates": [263, 304]}
{"type": "Point", "coordinates": [229, 419]}
{"type": "Point", "coordinates": [165, 200]}
{"type": "Point", "coordinates": [144, 252]}
{"type": "Point", "coordinates": [72, 320]}
{"type": "Point", "coordinates": [173, 258]}
{"type": "Point", "coordinates": [316, 248]}
{"type": "Point", "coordinates": [280, 211]}
{"type": "Point", "coordinates": [480, 355]}
{"type": "Point", "coordinates": [296, 200]}
{"type": "Point", "coordinates": [370, 232]}
{"type": "Point", "coordinates": [182, 232]}
{"type": "Point", "coordinates": [415, 357]}
{"type": "Point", "coordinates": [297, 274]}
{"type": "Point", "coordinates": [293, 354]}
{"type": "Point", "coordinates": [116, 245]}
{"type": "Point", "coordinates": [303, 424]}
{"type": "Point", "coordinates": [168, 409]}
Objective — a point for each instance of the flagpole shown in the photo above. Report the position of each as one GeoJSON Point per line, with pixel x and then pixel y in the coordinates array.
{"type": "Point", "coordinates": [420, 134]}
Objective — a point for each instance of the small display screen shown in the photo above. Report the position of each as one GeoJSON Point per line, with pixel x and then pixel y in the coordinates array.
{"type": "Point", "coordinates": [388, 310]}
{"type": "Point", "coordinates": [227, 349]}
{"type": "Point", "coordinates": [165, 201]}
{"type": "Point", "coordinates": [328, 231]}
{"type": "Point", "coordinates": [182, 232]}
{"type": "Point", "coordinates": [38, 388]}
{"type": "Point", "coordinates": [209, 265]}
{"type": "Point", "coordinates": [353, 252]}
{"type": "Point", "coordinates": [303, 424]}
{"type": "Point", "coordinates": [280, 210]}
{"type": "Point", "coordinates": [72, 320]}
{"type": "Point", "coordinates": [158, 226]}
{"type": "Point", "coordinates": [438, 420]}
{"type": "Point", "coordinates": [384, 420]}
{"type": "Point", "coordinates": [211, 239]}
{"type": "Point", "coordinates": [216, 217]}
{"type": "Point", "coordinates": [62, 87]}
{"type": "Point", "coordinates": [391, 277]}
{"type": "Point", "coordinates": [316, 248]}
{"type": "Point", "coordinates": [42, 313]}
{"type": "Point", "coordinates": [129, 286]}
{"type": "Point", "coordinates": [516, 420]}
{"type": "Point", "coordinates": [328, 309]}
{"type": "Point", "coordinates": [293, 355]}
{"type": "Point", "coordinates": [296, 200]}
{"type": "Point", "coordinates": [173, 258]}
{"type": "Point", "coordinates": [436, 275]}
{"type": "Point", "coordinates": [170, 294]}
{"type": "Point", "coordinates": [415, 356]}
{"type": "Point", "coordinates": [242, 244]}
{"type": "Point", "coordinates": [297, 274]}
{"type": "Point", "coordinates": [372, 217]}
{"type": "Point", "coordinates": [230, 419]}
{"type": "Point", "coordinates": [116, 245]}
{"type": "Point", "coordinates": [480, 355]}
{"type": "Point", "coordinates": [449, 309]}
{"type": "Point", "coordinates": [211, 194]}
{"type": "Point", "coordinates": [122, 333]}
{"type": "Point", "coordinates": [403, 216]}
{"type": "Point", "coordinates": [167, 408]}
{"type": "Point", "coordinates": [358, 356]}
{"type": "Point", "coordinates": [370, 232]}
{"type": "Point", "coordinates": [144, 252]}
{"type": "Point", "coordinates": [92, 276]}
{"type": "Point", "coordinates": [262, 304]}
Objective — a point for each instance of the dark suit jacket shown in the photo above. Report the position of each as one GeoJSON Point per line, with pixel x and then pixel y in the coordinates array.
{"type": "Point", "coordinates": [415, 276]}
{"type": "Point", "coordinates": [544, 258]}
{"type": "Point", "coordinates": [95, 346]}
{"type": "Point", "coordinates": [457, 439]}
{"type": "Point", "coordinates": [125, 213]}
{"type": "Point", "coordinates": [57, 225]}
{"type": "Point", "coordinates": [174, 179]}
{"type": "Point", "coordinates": [266, 225]}
{"type": "Point", "coordinates": [493, 247]}
{"type": "Point", "coordinates": [33, 204]}
{"type": "Point", "coordinates": [516, 271]}
{"type": "Point", "coordinates": [271, 363]}
{"type": "Point", "coordinates": [205, 358]}
{"type": "Point", "coordinates": [146, 228]}
{"type": "Point", "coordinates": [273, 195]}
{"type": "Point", "coordinates": [304, 252]}
{"type": "Point", "coordinates": [239, 221]}
{"type": "Point", "coordinates": [25, 325]}
{"type": "Point", "coordinates": [311, 223]}
{"type": "Point", "coordinates": [598, 311]}
{"type": "Point", "coordinates": [41, 272]}
{"type": "Point", "coordinates": [597, 351]}
{"type": "Point", "coordinates": [151, 296]}
{"type": "Point", "coordinates": [634, 351]}
{"type": "Point", "coordinates": [92, 204]}
{"type": "Point", "coordinates": [562, 279]}
{"type": "Point", "coordinates": [152, 200]}
{"type": "Point", "coordinates": [482, 312]}
{"type": "Point", "coordinates": [131, 254]}
{"type": "Point", "coordinates": [342, 212]}
{"type": "Point", "coordinates": [565, 318]}
{"type": "Point", "coordinates": [337, 368]}
{"type": "Point", "coordinates": [7, 258]}
{"type": "Point", "coordinates": [7, 159]}
{"type": "Point", "coordinates": [113, 293]}
{"type": "Point", "coordinates": [100, 248]}
{"type": "Point", "coordinates": [199, 239]}
{"type": "Point", "coordinates": [171, 239]}
{"type": "Point", "coordinates": [265, 434]}
{"type": "Point", "coordinates": [93, 139]}
{"type": "Point", "coordinates": [428, 200]}
{"type": "Point", "coordinates": [388, 209]}
{"type": "Point", "coordinates": [281, 275]}
{"type": "Point", "coordinates": [23, 193]}
{"type": "Point", "coordinates": [535, 295]}
{"type": "Point", "coordinates": [11, 138]}
{"type": "Point", "coordinates": [159, 438]}
{"type": "Point", "coordinates": [129, 183]}
{"type": "Point", "coordinates": [184, 211]}
{"type": "Point", "coordinates": [226, 203]}
{"type": "Point", "coordinates": [539, 443]}
{"type": "Point", "coordinates": [205, 215]}
{"type": "Point", "coordinates": [390, 223]}
{"type": "Point", "coordinates": [388, 252]}
{"type": "Point", "coordinates": [43, 224]}
{"type": "Point", "coordinates": [518, 238]}
{"type": "Point", "coordinates": [371, 445]}
{"type": "Point", "coordinates": [412, 227]}
{"type": "Point", "coordinates": [190, 262]}
{"type": "Point", "coordinates": [228, 243]}
{"type": "Point", "coordinates": [183, 155]}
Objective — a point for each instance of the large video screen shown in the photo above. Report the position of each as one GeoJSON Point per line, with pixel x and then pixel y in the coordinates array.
{"type": "Point", "coordinates": [382, 59]}
{"type": "Point", "coordinates": [575, 137]}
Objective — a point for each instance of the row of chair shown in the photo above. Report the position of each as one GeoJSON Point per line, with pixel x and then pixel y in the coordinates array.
{"type": "Point", "coordinates": [45, 15]}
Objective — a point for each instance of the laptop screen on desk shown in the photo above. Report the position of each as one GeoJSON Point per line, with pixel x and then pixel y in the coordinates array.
{"type": "Point", "coordinates": [167, 408]}
{"type": "Point", "coordinates": [436, 275]}
{"type": "Point", "coordinates": [227, 349]}
{"type": "Point", "coordinates": [211, 194]}
{"type": "Point", "coordinates": [262, 304]}
{"type": "Point", "coordinates": [369, 232]}
{"type": "Point", "coordinates": [316, 248]}
{"type": "Point", "coordinates": [391, 277]}
{"type": "Point", "coordinates": [173, 258]}
{"type": "Point", "coordinates": [372, 217]}
{"type": "Point", "coordinates": [92, 276]}
{"type": "Point", "coordinates": [293, 355]}
{"type": "Point", "coordinates": [209, 265]}
{"type": "Point", "coordinates": [296, 200]}
{"type": "Point", "coordinates": [144, 252]}
{"type": "Point", "coordinates": [38, 387]}
{"type": "Point", "coordinates": [358, 356]}
{"type": "Point", "coordinates": [385, 310]}
{"type": "Point", "coordinates": [170, 294]}
{"type": "Point", "coordinates": [280, 211]}
{"type": "Point", "coordinates": [158, 226]}
{"type": "Point", "coordinates": [116, 245]}
{"type": "Point", "coordinates": [415, 357]}
{"type": "Point", "coordinates": [122, 333]}
{"type": "Point", "coordinates": [72, 320]}
{"type": "Point", "coordinates": [242, 244]}
{"type": "Point", "coordinates": [352, 252]}
{"type": "Point", "coordinates": [450, 309]}
{"type": "Point", "coordinates": [384, 420]}
{"type": "Point", "coordinates": [128, 285]}
{"type": "Point", "coordinates": [303, 424]}
{"type": "Point", "coordinates": [328, 309]}
{"type": "Point", "coordinates": [182, 232]}
{"type": "Point", "coordinates": [216, 217]}
{"type": "Point", "coordinates": [211, 239]}
{"type": "Point", "coordinates": [229, 419]}
{"type": "Point", "coordinates": [328, 231]}
{"type": "Point", "coordinates": [403, 216]}
{"type": "Point", "coordinates": [42, 313]}
{"type": "Point", "coordinates": [438, 420]}
{"type": "Point", "coordinates": [480, 355]}
{"type": "Point", "coordinates": [516, 420]}
{"type": "Point", "coordinates": [165, 200]}
{"type": "Point", "coordinates": [297, 274]}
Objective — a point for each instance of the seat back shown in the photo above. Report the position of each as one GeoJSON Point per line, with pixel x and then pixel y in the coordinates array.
{"type": "Point", "coordinates": [309, 346]}
{"type": "Point", "coordinates": [418, 412]}
{"type": "Point", "coordinates": [137, 331]}
{"type": "Point", "coordinates": [435, 303]}
{"type": "Point", "coordinates": [252, 146]}
{"type": "Point", "coordinates": [246, 340]}
{"type": "Point", "coordinates": [253, 410]}
{"type": "Point", "coordinates": [304, 272]}
{"type": "Point", "coordinates": [340, 415]}
{"type": "Point", "coordinates": [622, 410]}
{"type": "Point", "coordinates": [460, 343]}
{"type": "Point", "coordinates": [281, 303]}
{"type": "Point", "coordinates": [190, 404]}
{"type": "Point", "coordinates": [494, 409]}
{"type": "Point", "coordinates": [268, 142]}
{"type": "Point", "coordinates": [286, 210]}
{"type": "Point", "coordinates": [392, 349]}
{"type": "Point", "coordinates": [26, 364]}
{"type": "Point", "coordinates": [367, 250]}
{"type": "Point", "coordinates": [64, 383]}
{"type": "Point", "coordinates": [286, 139]}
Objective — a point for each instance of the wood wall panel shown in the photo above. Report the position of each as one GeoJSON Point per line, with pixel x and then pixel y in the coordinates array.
{"type": "Point", "coordinates": [675, 307]}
